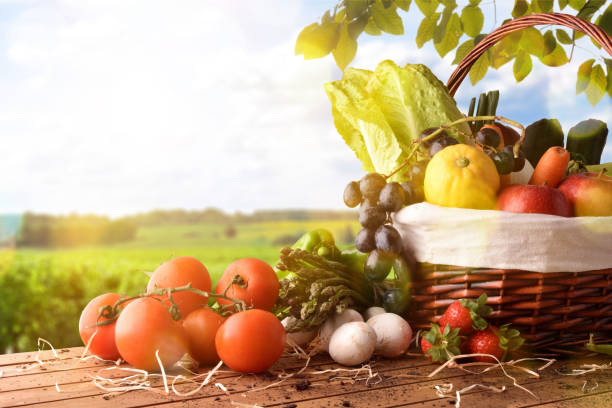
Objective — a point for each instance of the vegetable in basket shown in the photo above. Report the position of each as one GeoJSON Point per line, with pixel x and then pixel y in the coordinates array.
{"type": "Point", "coordinates": [380, 113]}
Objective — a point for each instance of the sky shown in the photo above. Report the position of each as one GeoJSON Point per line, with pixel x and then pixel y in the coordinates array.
{"type": "Point", "coordinates": [115, 107]}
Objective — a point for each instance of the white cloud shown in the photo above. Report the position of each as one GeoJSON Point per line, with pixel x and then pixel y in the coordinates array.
{"type": "Point", "coordinates": [115, 107]}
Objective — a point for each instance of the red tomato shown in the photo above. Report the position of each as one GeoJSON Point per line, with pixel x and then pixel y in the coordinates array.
{"type": "Point", "coordinates": [261, 282]}
{"type": "Point", "coordinates": [145, 326]}
{"type": "Point", "coordinates": [103, 344]}
{"type": "Point", "coordinates": [179, 272]}
{"type": "Point", "coordinates": [250, 341]}
{"type": "Point", "coordinates": [201, 326]}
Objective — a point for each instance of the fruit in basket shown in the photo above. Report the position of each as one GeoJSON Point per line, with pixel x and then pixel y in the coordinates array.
{"type": "Point", "coordinates": [352, 195]}
{"type": "Point", "coordinates": [440, 144]}
{"type": "Point", "coordinates": [494, 341]}
{"type": "Point", "coordinates": [371, 184]}
{"type": "Point", "coordinates": [510, 136]}
{"type": "Point", "coordinates": [388, 239]}
{"type": "Point", "coordinates": [371, 215]}
{"type": "Point", "coordinates": [466, 315]}
{"type": "Point", "coordinates": [526, 198]}
{"type": "Point", "coordinates": [590, 194]}
{"type": "Point", "coordinates": [392, 197]}
{"type": "Point", "coordinates": [504, 162]}
{"type": "Point", "coordinates": [440, 344]}
{"type": "Point", "coordinates": [551, 168]}
{"type": "Point", "coordinates": [461, 176]}
{"type": "Point", "coordinates": [365, 240]}
{"type": "Point", "coordinates": [490, 136]}
{"type": "Point", "coordinates": [588, 139]}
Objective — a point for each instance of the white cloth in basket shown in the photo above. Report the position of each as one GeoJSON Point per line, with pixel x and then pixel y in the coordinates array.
{"type": "Point", "coordinates": [499, 239]}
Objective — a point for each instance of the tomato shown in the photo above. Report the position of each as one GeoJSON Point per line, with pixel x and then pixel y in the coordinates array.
{"type": "Point", "coordinates": [201, 326]}
{"type": "Point", "coordinates": [145, 326]}
{"type": "Point", "coordinates": [179, 272]}
{"type": "Point", "coordinates": [260, 279]}
{"type": "Point", "coordinates": [103, 344]}
{"type": "Point", "coordinates": [250, 341]}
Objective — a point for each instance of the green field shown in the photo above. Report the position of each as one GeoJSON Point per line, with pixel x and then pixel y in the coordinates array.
{"type": "Point", "coordinates": [43, 290]}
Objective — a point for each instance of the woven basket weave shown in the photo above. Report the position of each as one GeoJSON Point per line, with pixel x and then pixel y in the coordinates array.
{"type": "Point", "coordinates": [552, 310]}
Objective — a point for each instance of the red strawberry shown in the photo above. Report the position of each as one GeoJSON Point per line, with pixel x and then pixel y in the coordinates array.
{"type": "Point", "coordinates": [440, 345]}
{"type": "Point", "coordinates": [466, 315]}
{"type": "Point", "coordinates": [494, 341]}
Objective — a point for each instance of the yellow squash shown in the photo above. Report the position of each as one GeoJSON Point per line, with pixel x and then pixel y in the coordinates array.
{"type": "Point", "coordinates": [461, 176]}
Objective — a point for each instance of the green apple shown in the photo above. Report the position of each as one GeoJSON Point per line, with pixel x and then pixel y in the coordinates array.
{"type": "Point", "coordinates": [589, 193]}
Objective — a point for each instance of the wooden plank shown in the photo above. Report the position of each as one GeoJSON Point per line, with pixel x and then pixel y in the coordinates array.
{"type": "Point", "coordinates": [30, 356]}
{"type": "Point", "coordinates": [76, 396]}
{"type": "Point", "coordinates": [74, 371]}
{"type": "Point", "coordinates": [600, 400]}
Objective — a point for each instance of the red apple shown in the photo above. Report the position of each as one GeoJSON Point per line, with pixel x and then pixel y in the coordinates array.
{"type": "Point", "coordinates": [526, 198]}
{"type": "Point", "coordinates": [589, 193]}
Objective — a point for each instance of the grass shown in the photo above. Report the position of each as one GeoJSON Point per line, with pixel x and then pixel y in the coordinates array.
{"type": "Point", "coordinates": [44, 290]}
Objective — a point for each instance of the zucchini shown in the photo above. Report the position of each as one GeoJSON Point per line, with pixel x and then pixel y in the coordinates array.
{"type": "Point", "coordinates": [539, 137]}
{"type": "Point", "coordinates": [588, 139]}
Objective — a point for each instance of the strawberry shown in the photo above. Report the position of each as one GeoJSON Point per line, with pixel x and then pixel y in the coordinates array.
{"type": "Point", "coordinates": [466, 315]}
{"type": "Point", "coordinates": [440, 345]}
{"type": "Point", "coordinates": [494, 341]}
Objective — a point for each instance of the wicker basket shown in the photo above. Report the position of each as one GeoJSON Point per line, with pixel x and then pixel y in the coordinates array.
{"type": "Point", "coordinates": [552, 310]}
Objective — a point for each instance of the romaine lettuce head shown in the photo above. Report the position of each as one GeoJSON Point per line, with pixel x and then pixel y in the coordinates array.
{"type": "Point", "coordinates": [379, 114]}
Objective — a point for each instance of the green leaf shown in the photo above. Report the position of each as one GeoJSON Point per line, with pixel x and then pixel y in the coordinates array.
{"type": "Point", "coordinates": [606, 20]}
{"type": "Point", "coordinates": [584, 75]}
{"type": "Point", "coordinates": [346, 48]}
{"type": "Point", "coordinates": [355, 8]}
{"type": "Point", "coordinates": [556, 58]}
{"type": "Point", "coordinates": [590, 8]}
{"type": "Point", "coordinates": [427, 7]}
{"type": "Point", "coordinates": [472, 20]}
{"type": "Point", "coordinates": [386, 3]}
{"type": "Point", "coordinates": [532, 41]}
{"type": "Point", "coordinates": [577, 4]}
{"type": "Point", "coordinates": [505, 50]}
{"type": "Point", "coordinates": [609, 75]}
{"type": "Point", "coordinates": [549, 42]}
{"type": "Point", "coordinates": [355, 28]}
{"type": "Point", "coordinates": [522, 66]}
{"type": "Point", "coordinates": [542, 6]}
{"type": "Point", "coordinates": [463, 50]}
{"type": "Point", "coordinates": [317, 40]}
{"type": "Point", "coordinates": [563, 37]}
{"type": "Point", "coordinates": [597, 85]}
{"type": "Point", "coordinates": [387, 19]}
{"type": "Point", "coordinates": [450, 38]}
{"type": "Point", "coordinates": [371, 28]}
{"type": "Point", "coordinates": [403, 4]}
{"type": "Point", "coordinates": [479, 69]}
{"type": "Point", "coordinates": [426, 29]}
{"type": "Point", "coordinates": [521, 7]}
{"type": "Point", "coordinates": [563, 4]}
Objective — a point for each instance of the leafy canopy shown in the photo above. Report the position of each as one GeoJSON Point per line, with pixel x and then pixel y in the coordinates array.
{"type": "Point", "coordinates": [459, 28]}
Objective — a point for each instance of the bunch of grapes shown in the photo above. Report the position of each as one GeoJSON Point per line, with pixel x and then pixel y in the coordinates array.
{"type": "Point", "coordinates": [377, 199]}
{"type": "Point", "coordinates": [505, 162]}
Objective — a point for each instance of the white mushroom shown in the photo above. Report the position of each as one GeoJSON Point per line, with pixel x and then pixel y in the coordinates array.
{"type": "Point", "coordinates": [372, 311]}
{"type": "Point", "coordinates": [298, 338]}
{"type": "Point", "coordinates": [352, 343]}
{"type": "Point", "coordinates": [335, 321]}
{"type": "Point", "coordinates": [393, 334]}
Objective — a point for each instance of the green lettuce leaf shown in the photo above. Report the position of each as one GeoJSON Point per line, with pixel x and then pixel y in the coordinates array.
{"type": "Point", "coordinates": [379, 114]}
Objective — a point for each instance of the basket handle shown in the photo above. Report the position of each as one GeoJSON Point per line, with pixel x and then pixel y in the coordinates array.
{"type": "Point", "coordinates": [596, 33]}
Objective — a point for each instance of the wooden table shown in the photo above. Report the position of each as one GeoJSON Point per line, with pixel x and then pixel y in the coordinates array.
{"type": "Point", "coordinates": [66, 382]}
